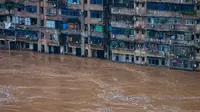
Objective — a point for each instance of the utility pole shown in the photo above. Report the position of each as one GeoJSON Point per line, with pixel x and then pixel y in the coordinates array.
{"type": "Point", "coordinates": [82, 28]}
{"type": "Point", "coordinates": [106, 21]}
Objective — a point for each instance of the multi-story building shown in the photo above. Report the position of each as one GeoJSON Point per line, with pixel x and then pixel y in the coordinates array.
{"type": "Point", "coordinates": [158, 33]}
{"type": "Point", "coordinates": [53, 26]}
{"type": "Point", "coordinates": [145, 32]}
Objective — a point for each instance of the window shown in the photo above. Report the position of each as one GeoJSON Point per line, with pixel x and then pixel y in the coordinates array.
{"type": "Point", "coordinates": [42, 36]}
{"type": "Point", "coordinates": [163, 62]}
{"type": "Point", "coordinates": [51, 11]}
{"type": "Point", "coordinates": [164, 6]}
{"type": "Point", "coordinates": [72, 12]}
{"type": "Point", "coordinates": [74, 1]}
{"type": "Point", "coordinates": [15, 19]}
{"type": "Point", "coordinates": [132, 58]}
{"type": "Point", "coordinates": [143, 59]}
{"type": "Point", "coordinates": [64, 12]}
{"type": "Point", "coordinates": [198, 7]}
{"type": "Point", "coordinates": [2, 6]}
{"type": "Point", "coordinates": [137, 58]}
{"type": "Point", "coordinates": [97, 2]}
{"type": "Point", "coordinates": [41, 10]}
{"type": "Point", "coordinates": [42, 22]}
{"type": "Point", "coordinates": [189, 22]}
{"type": "Point", "coordinates": [198, 50]}
{"type": "Point", "coordinates": [197, 36]}
{"type": "Point", "coordinates": [27, 21]}
{"type": "Point", "coordinates": [157, 62]}
{"type": "Point", "coordinates": [198, 21]}
{"type": "Point", "coordinates": [127, 57]}
{"type": "Point", "coordinates": [50, 24]}
{"type": "Point", "coordinates": [31, 9]}
{"type": "Point", "coordinates": [96, 14]}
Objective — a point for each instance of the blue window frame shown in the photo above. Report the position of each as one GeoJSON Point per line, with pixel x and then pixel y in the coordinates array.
{"type": "Point", "coordinates": [72, 12]}
{"type": "Point", "coordinates": [32, 9]}
{"type": "Point", "coordinates": [95, 14]}
{"type": "Point", "coordinates": [97, 2]}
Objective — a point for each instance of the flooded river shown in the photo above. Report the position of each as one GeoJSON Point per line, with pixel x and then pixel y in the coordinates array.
{"type": "Point", "coordinates": [33, 82]}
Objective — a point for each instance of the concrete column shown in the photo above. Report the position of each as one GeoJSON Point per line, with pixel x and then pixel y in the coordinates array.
{"type": "Point", "coordinates": [31, 46]}
{"type": "Point", "coordinates": [89, 48]}
{"type": "Point", "coordinates": [62, 49]}
{"type": "Point", "coordinates": [74, 51]}
{"type": "Point", "coordinates": [46, 48]}
{"type": "Point", "coordinates": [82, 28]}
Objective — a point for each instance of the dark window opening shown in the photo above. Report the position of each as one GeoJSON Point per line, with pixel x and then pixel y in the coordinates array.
{"type": "Point", "coordinates": [163, 62]}
{"type": "Point", "coordinates": [132, 59]}
{"type": "Point", "coordinates": [137, 58]}
{"type": "Point", "coordinates": [143, 58]}
{"type": "Point", "coordinates": [70, 50]}
{"type": "Point", "coordinates": [157, 62]}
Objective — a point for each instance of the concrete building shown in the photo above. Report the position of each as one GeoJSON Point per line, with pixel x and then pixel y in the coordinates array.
{"type": "Point", "coordinates": [149, 32]}
{"type": "Point", "coordinates": [53, 26]}
{"type": "Point", "coordinates": [144, 32]}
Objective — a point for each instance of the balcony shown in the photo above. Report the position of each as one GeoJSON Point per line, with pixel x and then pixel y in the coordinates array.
{"type": "Point", "coordinates": [197, 28]}
{"type": "Point", "coordinates": [123, 38]}
{"type": "Point", "coordinates": [154, 40]}
{"type": "Point", "coordinates": [123, 51]}
{"type": "Point", "coordinates": [140, 38]}
{"type": "Point", "coordinates": [182, 43]}
{"type": "Point", "coordinates": [27, 39]}
{"type": "Point", "coordinates": [122, 24]}
{"type": "Point", "coordinates": [53, 42]}
{"type": "Point", "coordinates": [28, 27]}
{"type": "Point", "coordinates": [139, 25]}
{"type": "Point", "coordinates": [169, 14]}
{"type": "Point", "coordinates": [77, 45]}
{"type": "Point", "coordinates": [97, 46]}
{"type": "Point", "coordinates": [141, 11]}
{"type": "Point", "coordinates": [72, 31]}
{"type": "Point", "coordinates": [3, 12]}
{"type": "Point", "coordinates": [168, 27]}
{"type": "Point", "coordinates": [122, 11]}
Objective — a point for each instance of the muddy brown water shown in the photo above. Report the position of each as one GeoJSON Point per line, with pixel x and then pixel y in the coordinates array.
{"type": "Point", "coordinates": [33, 82]}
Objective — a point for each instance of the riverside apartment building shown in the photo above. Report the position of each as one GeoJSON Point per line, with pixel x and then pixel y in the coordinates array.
{"type": "Point", "coordinates": [156, 32]}
{"type": "Point", "coordinates": [145, 32]}
{"type": "Point", "coordinates": [53, 26]}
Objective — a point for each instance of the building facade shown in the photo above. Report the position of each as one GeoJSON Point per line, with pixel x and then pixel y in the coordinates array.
{"type": "Point", "coordinates": [53, 26]}
{"type": "Point", "coordinates": [149, 32]}
{"type": "Point", "coordinates": [144, 32]}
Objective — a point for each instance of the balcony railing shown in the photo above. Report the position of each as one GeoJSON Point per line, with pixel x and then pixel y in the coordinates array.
{"type": "Point", "coordinates": [168, 27]}
{"type": "Point", "coordinates": [168, 14]}
{"type": "Point", "coordinates": [71, 31]}
{"type": "Point", "coordinates": [123, 37]}
{"type": "Point", "coordinates": [139, 25]}
{"type": "Point", "coordinates": [124, 11]}
{"type": "Point", "coordinates": [53, 42]}
{"type": "Point", "coordinates": [122, 24]}
{"type": "Point", "coordinates": [141, 11]}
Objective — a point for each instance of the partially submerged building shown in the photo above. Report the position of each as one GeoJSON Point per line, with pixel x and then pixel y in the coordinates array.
{"type": "Point", "coordinates": [157, 33]}
{"type": "Point", "coordinates": [145, 32]}
{"type": "Point", "coordinates": [52, 26]}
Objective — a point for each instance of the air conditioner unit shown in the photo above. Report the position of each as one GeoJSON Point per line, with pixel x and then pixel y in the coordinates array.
{"type": "Point", "coordinates": [113, 36]}
{"type": "Point", "coordinates": [152, 26]}
{"type": "Point", "coordinates": [172, 37]}
{"type": "Point", "coordinates": [172, 27]}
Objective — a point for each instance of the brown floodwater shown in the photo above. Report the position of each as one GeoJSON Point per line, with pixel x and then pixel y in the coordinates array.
{"type": "Point", "coordinates": [33, 82]}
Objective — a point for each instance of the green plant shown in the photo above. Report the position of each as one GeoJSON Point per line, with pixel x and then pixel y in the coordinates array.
{"type": "Point", "coordinates": [10, 6]}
